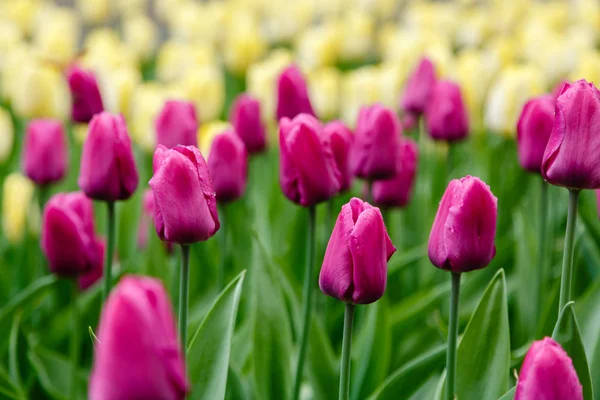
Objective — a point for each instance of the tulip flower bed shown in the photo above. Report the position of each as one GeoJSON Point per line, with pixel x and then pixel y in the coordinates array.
{"type": "Point", "coordinates": [181, 224]}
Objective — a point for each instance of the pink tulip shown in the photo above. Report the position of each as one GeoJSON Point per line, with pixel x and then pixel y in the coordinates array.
{"type": "Point", "coordinates": [418, 88]}
{"type": "Point", "coordinates": [245, 117]}
{"type": "Point", "coordinates": [45, 155]}
{"type": "Point", "coordinates": [396, 191]}
{"type": "Point", "coordinates": [446, 116]}
{"type": "Point", "coordinates": [533, 130]}
{"type": "Point", "coordinates": [87, 101]}
{"type": "Point", "coordinates": [341, 138]}
{"type": "Point", "coordinates": [87, 279]}
{"type": "Point", "coordinates": [177, 124]}
{"type": "Point", "coordinates": [228, 166]}
{"type": "Point", "coordinates": [292, 94]}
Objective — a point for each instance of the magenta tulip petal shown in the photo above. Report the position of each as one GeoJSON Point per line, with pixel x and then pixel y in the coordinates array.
{"type": "Point", "coordinates": [446, 116]}
{"type": "Point", "coordinates": [228, 166]}
{"type": "Point", "coordinates": [292, 94]}
{"type": "Point", "coordinates": [533, 131]}
{"type": "Point", "coordinates": [177, 124]}
{"type": "Point", "coordinates": [418, 88]}
{"type": "Point", "coordinates": [245, 116]}
{"type": "Point", "coordinates": [45, 156]}
{"type": "Point", "coordinates": [85, 94]}
{"type": "Point", "coordinates": [396, 191]}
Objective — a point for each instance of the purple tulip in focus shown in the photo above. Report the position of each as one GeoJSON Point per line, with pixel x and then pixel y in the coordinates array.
{"type": "Point", "coordinates": [186, 207]}
{"type": "Point", "coordinates": [228, 166]}
{"type": "Point", "coordinates": [464, 229]}
{"type": "Point", "coordinates": [533, 130]}
{"type": "Point", "coordinates": [396, 191]}
{"type": "Point", "coordinates": [85, 94]}
{"type": "Point", "coordinates": [446, 116]}
{"type": "Point", "coordinates": [177, 124]}
{"type": "Point", "coordinates": [418, 88]}
{"type": "Point", "coordinates": [292, 94]}
{"type": "Point", "coordinates": [308, 173]}
{"type": "Point", "coordinates": [355, 265]}
{"type": "Point", "coordinates": [138, 355]}
{"type": "Point", "coordinates": [245, 117]}
{"type": "Point", "coordinates": [45, 155]}
{"type": "Point", "coordinates": [548, 374]}
{"type": "Point", "coordinates": [341, 139]}
{"type": "Point", "coordinates": [108, 170]}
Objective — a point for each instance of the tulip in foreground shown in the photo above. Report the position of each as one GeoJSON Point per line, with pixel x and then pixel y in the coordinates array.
{"type": "Point", "coordinates": [355, 268]}
{"type": "Point", "coordinates": [548, 374]}
{"type": "Point", "coordinates": [228, 166]}
{"type": "Point", "coordinates": [85, 94]}
{"type": "Point", "coordinates": [446, 116]}
{"type": "Point", "coordinates": [397, 191]}
{"type": "Point", "coordinates": [292, 94]}
{"type": "Point", "coordinates": [245, 116]}
{"type": "Point", "coordinates": [177, 124]}
{"type": "Point", "coordinates": [418, 88]}
{"type": "Point", "coordinates": [45, 155]}
{"type": "Point", "coordinates": [138, 355]}
{"type": "Point", "coordinates": [462, 240]}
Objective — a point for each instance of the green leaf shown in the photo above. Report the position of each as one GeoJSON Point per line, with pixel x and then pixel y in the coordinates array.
{"type": "Point", "coordinates": [13, 350]}
{"type": "Point", "coordinates": [30, 294]}
{"type": "Point", "coordinates": [93, 336]}
{"type": "Point", "coordinates": [567, 333]}
{"type": "Point", "coordinates": [406, 258]}
{"type": "Point", "coordinates": [413, 309]}
{"type": "Point", "coordinates": [373, 351]}
{"type": "Point", "coordinates": [210, 346]}
{"type": "Point", "coordinates": [587, 308]}
{"type": "Point", "coordinates": [410, 377]}
{"type": "Point", "coordinates": [510, 395]}
{"type": "Point", "coordinates": [322, 364]}
{"type": "Point", "coordinates": [8, 390]}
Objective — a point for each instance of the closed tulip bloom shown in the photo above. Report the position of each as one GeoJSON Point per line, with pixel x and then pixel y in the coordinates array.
{"type": "Point", "coordinates": [418, 88]}
{"type": "Point", "coordinates": [341, 139]}
{"type": "Point", "coordinates": [69, 219]}
{"type": "Point", "coordinates": [548, 374]}
{"type": "Point", "coordinates": [446, 116]}
{"type": "Point", "coordinates": [89, 278]}
{"type": "Point", "coordinates": [292, 94]}
{"type": "Point", "coordinates": [177, 124]}
{"type": "Point", "coordinates": [533, 130]}
{"type": "Point", "coordinates": [108, 170]}
{"type": "Point", "coordinates": [355, 265]}
{"type": "Point", "coordinates": [571, 155]}
{"type": "Point", "coordinates": [396, 191]}
{"type": "Point", "coordinates": [228, 166]}
{"type": "Point", "coordinates": [87, 101]}
{"type": "Point", "coordinates": [185, 201]}
{"type": "Point", "coordinates": [245, 117]}
{"type": "Point", "coordinates": [138, 355]}
{"type": "Point", "coordinates": [308, 173]}
{"type": "Point", "coordinates": [45, 155]}
{"type": "Point", "coordinates": [463, 232]}
{"type": "Point", "coordinates": [376, 143]}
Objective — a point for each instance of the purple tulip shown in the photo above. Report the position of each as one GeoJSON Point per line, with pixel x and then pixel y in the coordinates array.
{"type": "Point", "coordinates": [396, 192]}
{"type": "Point", "coordinates": [308, 173]}
{"type": "Point", "coordinates": [89, 278]}
{"type": "Point", "coordinates": [341, 138]}
{"type": "Point", "coordinates": [245, 117]}
{"type": "Point", "coordinates": [409, 121]}
{"type": "Point", "coordinates": [138, 355]}
{"type": "Point", "coordinates": [228, 166]}
{"type": "Point", "coordinates": [87, 101]}
{"type": "Point", "coordinates": [533, 130]}
{"type": "Point", "coordinates": [463, 232]}
{"type": "Point", "coordinates": [557, 90]}
{"type": "Point", "coordinates": [548, 374]}
{"type": "Point", "coordinates": [186, 207]}
{"type": "Point", "coordinates": [571, 155]}
{"type": "Point", "coordinates": [45, 155]}
{"type": "Point", "coordinates": [446, 116]}
{"type": "Point", "coordinates": [292, 94]}
{"type": "Point", "coordinates": [418, 88]}
{"type": "Point", "coordinates": [108, 170]}
{"type": "Point", "coordinates": [177, 124]}
{"type": "Point", "coordinates": [355, 265]}
{"type": "Point", "coordinates": [68, 240]}
{"type": "Point", "coordinates": [376, 143]}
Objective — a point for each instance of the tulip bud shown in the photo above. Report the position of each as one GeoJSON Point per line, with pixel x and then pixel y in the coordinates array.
{"type": "Point", "coordinates": [396, 191]}
{"type": "Point", "coordinates": [376, 143]}
{"type": "Point", "coordinates": [108, 170]}
{"type": "Point", "coordinates": [533, 130]}
{"type": "Point", "coordinates": [446, 116]}
{"type": "Point", "coordinates": [571, 155]}
{"type": "Point", "coordinates": [246, 120]}
{"type": "Point", "coordinates": [17, 193]}
{"type": "Point", "coordinates": [87, 101]}
{"type": "Point", "coordinates": [7, 135]}
{"type": "Point", "coordinates": [45, 151]}
{"type": "Point", "coordinates": [308, 173]}
{"type": "Point", "coordinates": [228, 166]}
{"type": "Point", "coordinates": [176, 124]}
{"type": "Point", "coordinates": [69, 218]}
{"type": "Point", "coordinates": [355, 265]}
{"type": "Point", "coordinates": [292, 94]}
{"type": "Point", "coordinates": [341, 140]}
{"type": "Point", "coordinates": [418, 88]}
{"type": "Point", "coordinates": [138, 355]}
{"type": "Point", "coordinates": [463, 232]}
{"type": "Point", "coordinates": [87, 279]}
{"type": "Point", "coordinates": [186, 207]}
{"type": "Point", "coordinates": [548, 373]}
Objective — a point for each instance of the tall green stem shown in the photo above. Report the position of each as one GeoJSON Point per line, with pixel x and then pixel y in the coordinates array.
{"type": "Point", "coordinates": [110, 248]}
{"type": "Point", "coordinates": [74, 343]}
{"type": "Point", "coordinates": [452, 337]}
{"type": "Point", "coordinates": [541, 272]}
{"type": "Point", "coordinates": [307, 306]}
{"type": "Point", "coordinates": [567, 266]}
{"type": "Point", "coordinates": [346, 350]}
{"type": "Point", "coordinates": [184, 281]}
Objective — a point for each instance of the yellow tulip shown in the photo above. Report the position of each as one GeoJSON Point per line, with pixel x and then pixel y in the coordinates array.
{"type": "Point", "coordinates": [205, 87]}
{"type": "Point", "coordinates": [131, 7]}
{"type": "Point", "coordinates": [148, 100]}
{"type": "Point", "coordinates": [176, 59]}
{"type": "Point", "coordinates": [7, 134]}
{"type": "Point", "coordinates": [117, 86]}
{"type": "Point", "coordinates": [207, 132]}
{"type": "Point", "coordinates": [243, 45]}
{"type": "Point", "coordinates": [103, 49]}
{"type": "Point", "coordinates": [22, 12]}
{"type": "Point", "coordinates": [140, 35]}
{"type": "Point", "coordinates": [475, 28]}
{"type": "Point", "coordinates": [57, 34]}
{"type": "Point", "coordinates": [318, 46]}
{"type": "Point", "coordinates": [193, 21]}
{"type": "Point", "coordinates": [359, 87]}
{"type": "Point", "coordinates": [18, 193]}
{"type": "Point", "coordinates": [277, 24]}
{"type": "Point", "coordinates": [357, 36]}
{"type": "Point", "coordinates": [94, 11]}
{"type": "Point", "coordinates": [10, 37]}
{"type": "Point", "coordinates": [588, 67]}
{"type": "Point", "coordinates": [324, 88]}
{"type": "Point", "coordinates": [12, 64]}
{"type": "Point", "coordinates": [391, 80]}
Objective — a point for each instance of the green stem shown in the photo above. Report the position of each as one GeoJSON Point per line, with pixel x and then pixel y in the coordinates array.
{"type": "Point", "coordinates": [307, 306]}
{"type": "Point", "coordinates": [42, 198]}
{"type": "Point", "coordinates": [567, 266]}
{"type": "Point", "coordinates": [452, 337]}
{"type": "Point", "coordinates": [184, 275]}
{"type": "Point", "coordinates": [74, 343]}
{"type": "Point", "coordinates": [541, 273]}
{"type": "Point", "coordinates": [223, 245]}
{"type": "Point", "coordinates": [346, 351]}
{"type": "Point", "coordinates": [450, 160]}
{"type": "Point", "coordinates": [110, 248]}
